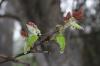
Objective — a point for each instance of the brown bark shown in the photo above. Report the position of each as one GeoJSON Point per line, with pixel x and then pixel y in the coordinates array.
{"type": "Point", "coordinates": [6, 40]}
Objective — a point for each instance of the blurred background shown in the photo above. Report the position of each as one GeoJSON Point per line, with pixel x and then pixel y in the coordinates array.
{"type": "Point", "coordinates": [82, 47]}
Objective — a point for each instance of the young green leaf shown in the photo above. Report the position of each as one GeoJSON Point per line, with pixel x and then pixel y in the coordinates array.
{"type": "Point", "coordinates": [61, 41]}
{"type": "Point", "coordinates": [33, 35]}
{"type": "Point", "coordinates": [29, 42]}
{"type": "Point", "coordinates": [72, 23]}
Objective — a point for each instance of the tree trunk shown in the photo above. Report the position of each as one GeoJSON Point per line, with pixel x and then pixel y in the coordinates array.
{"type": "Point", "coordinates": [6, 37]}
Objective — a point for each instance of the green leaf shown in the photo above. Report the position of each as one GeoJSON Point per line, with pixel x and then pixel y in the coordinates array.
{"type": "Point", "coordinates": [74, 25]}
{"type": "Point", "coordinates": [29, 42]}
{"type": "Point", "coordinates": [61, 41]}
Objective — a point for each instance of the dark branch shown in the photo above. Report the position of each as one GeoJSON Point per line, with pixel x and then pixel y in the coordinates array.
{"type": "Point", "coordinates": [34, 49]}
{"type": "Point", "coordinates": [22, 54]}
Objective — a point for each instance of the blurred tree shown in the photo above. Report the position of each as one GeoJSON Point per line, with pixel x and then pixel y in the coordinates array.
{"type": "Point", "coordinates": [82, 47]}
{"type": "Point", "coordinates": [6, 40]}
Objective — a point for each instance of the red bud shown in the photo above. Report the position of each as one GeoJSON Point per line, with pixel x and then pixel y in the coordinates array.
{"type": "Point", "coordinates": [78, 14]}
{"type": "Point", "coordinates": [24, 33]}
{"type": "Point", "coordinates": [30, 23]}
{"type": "Point", "coordinates": [67, 16]}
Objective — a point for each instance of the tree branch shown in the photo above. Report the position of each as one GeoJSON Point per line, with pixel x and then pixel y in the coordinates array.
{"type": "Point", "coordinates": [34, 49]}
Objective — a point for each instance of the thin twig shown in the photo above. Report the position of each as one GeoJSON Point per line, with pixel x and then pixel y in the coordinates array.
{"type": "Point", "coordinates": [22, 54]}
{"type": "Point", "coordinates": [42, 39]}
